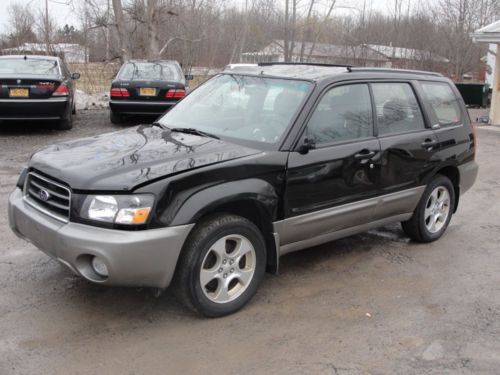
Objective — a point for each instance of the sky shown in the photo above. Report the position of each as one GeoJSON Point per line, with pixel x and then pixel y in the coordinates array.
{"type": "Point", "coordinates": [63, 13]}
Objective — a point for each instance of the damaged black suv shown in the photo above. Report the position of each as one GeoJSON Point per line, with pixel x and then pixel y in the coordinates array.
{"type": "Point", "coordinates": [253, 164]}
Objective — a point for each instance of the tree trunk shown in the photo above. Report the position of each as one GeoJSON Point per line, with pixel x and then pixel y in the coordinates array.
{"type": "Point", "coordinates": [308, 20]}
{"type": "Point", "coordinates": [152, 13]}
{"type": "Point", "coordinates": [123, 37]}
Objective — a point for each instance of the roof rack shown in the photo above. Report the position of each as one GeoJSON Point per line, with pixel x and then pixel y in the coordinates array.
{"type": "Point", "coordinates": [305, 63]}
{"type": "Point", "coordinates": [387, 70]}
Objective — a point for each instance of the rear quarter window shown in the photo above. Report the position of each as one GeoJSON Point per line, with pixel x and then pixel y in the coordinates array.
{"type": "Point", "coordinates": [443, 102]}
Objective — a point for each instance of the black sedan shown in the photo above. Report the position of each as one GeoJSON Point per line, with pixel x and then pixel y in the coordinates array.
{"type": "Point", "coordinates": [36, 88]}
{"type": "Point", "coordinates": [144, 87]}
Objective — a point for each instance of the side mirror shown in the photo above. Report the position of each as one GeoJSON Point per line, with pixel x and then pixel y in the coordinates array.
{"type": "Point", "coordinates": [75, 76]}
{"type": "Point", "coordinates": [307, 144]}
{"type": "Point", "coordinates": [189, 77]}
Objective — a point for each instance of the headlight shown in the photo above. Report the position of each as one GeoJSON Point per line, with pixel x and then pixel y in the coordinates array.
{"type": "Point", "coordinates": [119, 209]}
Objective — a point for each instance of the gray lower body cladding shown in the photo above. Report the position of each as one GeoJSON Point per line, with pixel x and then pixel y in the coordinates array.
{"type": "Point", "coordinates": [133, 258]}
{"type": "Point", "coordinates": [326, 225]}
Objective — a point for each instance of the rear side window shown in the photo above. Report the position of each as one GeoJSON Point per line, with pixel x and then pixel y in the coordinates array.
{"type": "Point", "coordinates": [397, 108]}
{"type": "Point", "coordinates": [443, 101]}
{"type": "Point", "coordinates": [343, 113]}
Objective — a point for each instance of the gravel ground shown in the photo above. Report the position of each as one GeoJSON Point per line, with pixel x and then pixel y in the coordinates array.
{"type": "Point", "coordinates": [372, 303]}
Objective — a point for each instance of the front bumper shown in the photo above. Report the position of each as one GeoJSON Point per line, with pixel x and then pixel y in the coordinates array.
{"type": "Point", "coordinates": [33, 109]}
{"type": "Point", "coordinates": [134, 258]}
{"type": "Point", "coordinates": [133, 107]}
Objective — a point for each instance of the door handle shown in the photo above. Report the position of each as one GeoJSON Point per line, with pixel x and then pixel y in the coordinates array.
{"type": "Point", "coordinates": [429, 143]}
{"type": "Point", "coordinates": [365, 154]}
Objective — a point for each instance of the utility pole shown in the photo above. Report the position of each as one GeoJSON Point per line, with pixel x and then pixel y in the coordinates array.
{"type": "Point", "coordinates": [47, 36]}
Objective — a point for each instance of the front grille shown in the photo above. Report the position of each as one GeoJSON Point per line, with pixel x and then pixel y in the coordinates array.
{"type": "Point", "coordinates": [48, 196]}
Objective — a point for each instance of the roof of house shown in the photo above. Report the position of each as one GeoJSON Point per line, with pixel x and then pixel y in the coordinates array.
{"type": "Point", "coordinates": [487, 34]}
{"type": "Point", "coordinates": [276, 47]}
{"type": "Point", "coordinates": [391, 52]}
{"type": "Point", "coordinates": [42, 47]}
{"type": "Point", "coordinates": [373, 52]}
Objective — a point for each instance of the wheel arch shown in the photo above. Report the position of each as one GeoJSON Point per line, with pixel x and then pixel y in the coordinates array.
{"type": "Point", "coordinates": [254, 199]}
{"type": "Point", "coordinates": [452, 172]}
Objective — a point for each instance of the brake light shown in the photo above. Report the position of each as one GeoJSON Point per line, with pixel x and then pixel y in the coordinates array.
{"type": "Point", "coordinates": [175, 94]}
{"type": "Point", "coordinates": [62, 90]}
{"type": "Point", "coordinates": [117, 92]}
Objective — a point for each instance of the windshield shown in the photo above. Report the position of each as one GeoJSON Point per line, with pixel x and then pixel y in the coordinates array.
{"type": "Point", "coordinates": [242, 107]}
{"type": "Point", "coordinates": [150, 71]}
{"type": "Point", "coordinates": [28, 66]}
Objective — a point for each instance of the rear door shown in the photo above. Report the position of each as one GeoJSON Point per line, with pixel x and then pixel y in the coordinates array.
{"type": "Point", "coordinates": [408, 146]}
{"type": "Point", "coordinates": [328, 188]}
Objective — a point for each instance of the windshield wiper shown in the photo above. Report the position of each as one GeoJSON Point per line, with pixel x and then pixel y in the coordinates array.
{"type": "Point", "coordinates": [156, 123]}
{"type": "Point", "coordinates": [194, 131]}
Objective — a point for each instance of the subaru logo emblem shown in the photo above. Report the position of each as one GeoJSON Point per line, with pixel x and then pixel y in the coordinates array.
{"type": "Point", "coordinates": [43, 195]}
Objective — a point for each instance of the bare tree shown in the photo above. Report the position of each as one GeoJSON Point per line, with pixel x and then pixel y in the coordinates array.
{"type": "Point", "coordinates": [121, 28]}
{"type": "Point", "coordinates": [21, 21]}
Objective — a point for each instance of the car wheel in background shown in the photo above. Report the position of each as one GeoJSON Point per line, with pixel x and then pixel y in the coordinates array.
{"type": "Point", "coordinates": [66, 123]}
{"type": "Point", "coordinates": [221, 265]}
{"type": "Point", "coordinates": [433, 213]}
{"type": "Point", "coordinates": [115, 118]}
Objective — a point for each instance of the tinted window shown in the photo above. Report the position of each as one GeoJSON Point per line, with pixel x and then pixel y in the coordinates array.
{"type": "Point", "coordinates": [159, 71]}
{"type": "Point", "coordinates": [343, 113]}
{"type": "Point", "coordinates": [443, 101]}
{"type": "Point", "coordinates": [29, 66]}
{"type": "Point", "coordinates": [397, 108]}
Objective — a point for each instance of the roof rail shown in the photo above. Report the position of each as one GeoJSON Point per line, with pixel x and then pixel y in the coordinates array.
{"type": "Point", "coordinates": [305, 63]}
{"type": "Point", "coordinates": [388, 70]}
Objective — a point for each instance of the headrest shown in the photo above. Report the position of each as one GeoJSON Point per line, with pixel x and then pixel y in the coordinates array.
{"type": "Point", "coordinates": [286, 103]}
{"type": "Point", "coordinates": [394, 110]}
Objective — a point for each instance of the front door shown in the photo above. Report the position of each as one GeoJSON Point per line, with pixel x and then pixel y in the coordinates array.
{"type": "Point", "coordinates": [329, 188]}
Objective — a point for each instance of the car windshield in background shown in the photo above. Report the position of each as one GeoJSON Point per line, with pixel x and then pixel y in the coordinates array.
{"type": "Point", "coordinates": [29, 66]}
{"type": "Point", "coordinates": [241, 107]}
{"type": "Point", "coordinates": [157, 71]}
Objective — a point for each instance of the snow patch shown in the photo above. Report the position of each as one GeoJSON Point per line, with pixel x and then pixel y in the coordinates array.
{"type": "Point", "coordinates": [86, 101]}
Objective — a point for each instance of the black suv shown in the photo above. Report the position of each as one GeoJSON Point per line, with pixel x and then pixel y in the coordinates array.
{"type": "Point", "coordinates": [251, 165]}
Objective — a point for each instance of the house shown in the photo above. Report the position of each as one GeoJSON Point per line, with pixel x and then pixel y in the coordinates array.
{"type": "Point", "coordinates": [362, 54]}
{"type": "Point", "coordinates": [319, 53]}
{"type": "Point", "coordinates": [70, 52]}
{"type": "Point", "coordinates": [491, 34]}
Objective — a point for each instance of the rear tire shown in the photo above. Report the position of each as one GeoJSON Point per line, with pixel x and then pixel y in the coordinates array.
{"type": "Point", "coordinates": [433, 213]}
{"type": "Point", "coordinates": [221, 265]}
{"type": "Point", "coordinates": [115, 118]}
{"type": "Point", "coordinates": [66, 123]}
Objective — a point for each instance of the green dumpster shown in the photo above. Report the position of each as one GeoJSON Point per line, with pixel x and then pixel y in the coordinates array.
{"type": "Point", "coordinates": [474, 94]}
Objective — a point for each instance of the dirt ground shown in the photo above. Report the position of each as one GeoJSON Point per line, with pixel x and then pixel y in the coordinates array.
{"type": "Point", "coordinates": [369, 304]}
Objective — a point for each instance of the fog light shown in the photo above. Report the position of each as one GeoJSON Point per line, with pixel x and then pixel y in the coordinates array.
{"type": "Point", "coordinates": [99, 267]}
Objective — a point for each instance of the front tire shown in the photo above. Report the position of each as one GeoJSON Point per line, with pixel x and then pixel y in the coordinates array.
{"type": "Point", "coordinates": [221, 265]}
{"type": "Point", "coordinates": [433, 213]}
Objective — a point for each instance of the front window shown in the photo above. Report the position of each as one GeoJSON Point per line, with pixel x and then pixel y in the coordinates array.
{"type": "Point", "coordinates": [29, 66]}
{"type": "Point", "coordinates": [150, 71]}
{"type": "Point", "coordinates": [242, 107]}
